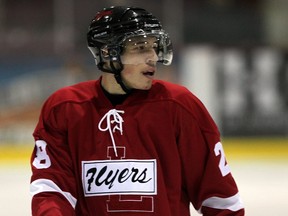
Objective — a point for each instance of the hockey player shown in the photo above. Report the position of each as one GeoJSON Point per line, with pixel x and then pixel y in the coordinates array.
{"type": "Point", "coordinates": [128, 144]}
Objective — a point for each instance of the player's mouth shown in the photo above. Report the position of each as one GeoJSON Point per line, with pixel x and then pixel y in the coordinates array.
{"type": "Point", "coordinates": [149, 73]}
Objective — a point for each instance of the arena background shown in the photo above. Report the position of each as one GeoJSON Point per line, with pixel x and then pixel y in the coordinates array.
{"type": "Point", "coordinates": [231, 53]}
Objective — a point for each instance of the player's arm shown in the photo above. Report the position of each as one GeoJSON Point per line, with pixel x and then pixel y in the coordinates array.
{"type": "Point", "coordinates": [50, 204]}
{"type": "Point", "coordinates": [52, 185]}
{"type": "Point", "coordinates": [219, 195]}
{"type": "Point", "coordinates": [207, 176]}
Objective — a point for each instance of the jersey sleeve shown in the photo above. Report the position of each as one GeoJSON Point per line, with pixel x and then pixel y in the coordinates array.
{"type": "Point", "coordinates": [53, 185]}
{"type": "Point", "coordinates": [207, 179]}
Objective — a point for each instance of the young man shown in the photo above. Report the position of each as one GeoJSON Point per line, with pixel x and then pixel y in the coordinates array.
{"type": "Point", "coordinates": [127, 144]}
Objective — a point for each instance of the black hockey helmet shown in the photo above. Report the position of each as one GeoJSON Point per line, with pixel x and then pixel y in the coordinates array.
{"type": "Point", "coordinates": [111, 27]}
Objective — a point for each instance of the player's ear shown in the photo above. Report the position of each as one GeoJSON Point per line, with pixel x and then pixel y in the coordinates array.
{"type": "Point", "coordinates": [107, 66]}
{"type": "Point", "coordinates": [104, 53]}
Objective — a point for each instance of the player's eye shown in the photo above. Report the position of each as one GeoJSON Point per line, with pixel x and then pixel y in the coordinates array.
{"type": "Point", "coordinates": [155, 46]}
{"type": "Point", "coordinates": [144, 47]}
{"type": "Point", "coordinates": [141, 47]}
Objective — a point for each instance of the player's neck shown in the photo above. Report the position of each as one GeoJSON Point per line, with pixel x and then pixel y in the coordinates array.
{"type": "Point", "coordinates": [110, 85]}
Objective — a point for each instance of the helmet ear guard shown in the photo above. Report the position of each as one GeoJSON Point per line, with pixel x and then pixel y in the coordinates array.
{"type": "Point", "coordinates": [111, 52]}
{"type": "Point", "coordinates": [107, 54]}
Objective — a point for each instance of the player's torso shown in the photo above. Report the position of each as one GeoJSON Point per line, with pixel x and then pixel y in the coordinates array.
{"type": "Point", "coordinates": [125, 157]}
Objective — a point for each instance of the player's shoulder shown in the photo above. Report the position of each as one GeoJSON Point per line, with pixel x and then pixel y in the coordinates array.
{"type": "Point", "coordinates": [187, 102]}
{"type": "Point", "coordinates": [173, 91]}
{"type": "Point", "coordinates": [77, 93]}
{"type": "Point", "coordinates": [180, 95]}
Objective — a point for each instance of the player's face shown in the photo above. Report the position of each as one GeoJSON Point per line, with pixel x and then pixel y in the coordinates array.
{"type": "Point", "coordinates": [139, 59]}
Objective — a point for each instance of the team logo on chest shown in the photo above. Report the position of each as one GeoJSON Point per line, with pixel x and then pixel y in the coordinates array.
{"type": "Point", "coordinates": [117, 177]}
{"type": "Point", "coordinates": [108, 177]}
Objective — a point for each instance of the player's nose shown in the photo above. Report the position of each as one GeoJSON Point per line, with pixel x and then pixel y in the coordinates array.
{"type": "Point", "coordinates": [152, 56]}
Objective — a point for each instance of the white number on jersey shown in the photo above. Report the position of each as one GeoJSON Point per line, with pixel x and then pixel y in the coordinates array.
{"type": "Point", "coordinates": [42, 160]}
{"type": "Point", "coordinates": [223, 166]}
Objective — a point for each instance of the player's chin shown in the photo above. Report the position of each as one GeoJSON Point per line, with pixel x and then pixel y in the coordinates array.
{"type": "Point", "coordinates": [146, 86]}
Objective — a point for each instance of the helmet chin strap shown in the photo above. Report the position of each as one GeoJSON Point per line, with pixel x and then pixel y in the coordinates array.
{"type": "Point", "coordinates": [117, 75]}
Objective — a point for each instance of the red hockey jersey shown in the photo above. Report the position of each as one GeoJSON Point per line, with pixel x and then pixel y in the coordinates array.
{"type": "Point", "coordinates": [154, 154]}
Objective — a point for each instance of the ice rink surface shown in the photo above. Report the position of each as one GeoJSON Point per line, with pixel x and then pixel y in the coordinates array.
{"type": "Point", "coordinates": [263, 186]}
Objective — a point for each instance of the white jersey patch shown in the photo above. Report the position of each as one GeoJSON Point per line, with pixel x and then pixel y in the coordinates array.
{"type": "Point", "coordinates": [109, 177]}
